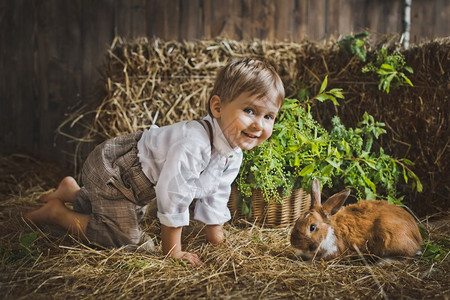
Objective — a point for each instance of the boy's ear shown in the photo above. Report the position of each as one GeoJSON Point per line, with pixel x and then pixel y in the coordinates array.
{"type": "Point", "coordinates": [215, 105]}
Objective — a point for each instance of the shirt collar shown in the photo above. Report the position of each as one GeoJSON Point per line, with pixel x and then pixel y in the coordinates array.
{"type": "Point", "coordinates": [220, 143]}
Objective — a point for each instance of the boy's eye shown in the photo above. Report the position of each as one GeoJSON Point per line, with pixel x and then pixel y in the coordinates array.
{"type": "Point", "coordinates": [269, 117]}
{"type": "Point", "coordinates": [249, 111]}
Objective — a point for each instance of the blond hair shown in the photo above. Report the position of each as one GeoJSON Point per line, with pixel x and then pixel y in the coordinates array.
{"type": "Point", "coordinates": [247, 75]}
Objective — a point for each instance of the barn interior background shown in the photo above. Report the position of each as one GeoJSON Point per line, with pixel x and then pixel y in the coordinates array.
{"type": "Point", "coordinates": [53, 52]}
{"type": "Point", "coordinates": [55, 57]}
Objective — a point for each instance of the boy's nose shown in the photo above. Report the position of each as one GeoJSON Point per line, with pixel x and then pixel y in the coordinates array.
{"type": "Point", "coordinates": [258, 123]}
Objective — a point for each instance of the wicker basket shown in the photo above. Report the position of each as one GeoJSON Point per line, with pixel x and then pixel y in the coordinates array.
{"type": "Point", "coordinates": [272, 215]}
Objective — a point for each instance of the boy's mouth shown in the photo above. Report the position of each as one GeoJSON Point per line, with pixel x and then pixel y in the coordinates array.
{"type": "Point", "coordinates": [250, 135]}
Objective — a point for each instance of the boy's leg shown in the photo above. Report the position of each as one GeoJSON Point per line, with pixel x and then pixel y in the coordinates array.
{"type": "Point", "coordinates": [214, 234]}
{"type": "Point", "coordinates": [66, 191]}
{"type": "Point", "coordinates": [55, 212]}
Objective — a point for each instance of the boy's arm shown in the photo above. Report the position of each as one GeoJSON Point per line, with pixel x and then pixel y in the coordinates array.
{"type": "Point", "coordinates": [171, 244]}
{"type": "Point", "coordinates": [214, 234]}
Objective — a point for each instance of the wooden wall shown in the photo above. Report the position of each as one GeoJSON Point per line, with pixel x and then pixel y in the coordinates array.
{"type": "Point", "coordinates": [51, 50]}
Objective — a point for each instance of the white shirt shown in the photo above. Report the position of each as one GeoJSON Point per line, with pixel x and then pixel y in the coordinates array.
{"type": "Point", "coordinates": [178, 160]}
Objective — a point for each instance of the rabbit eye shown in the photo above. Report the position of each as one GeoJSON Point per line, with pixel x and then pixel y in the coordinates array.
{"type": "Point", "coordinates": [312, 227]}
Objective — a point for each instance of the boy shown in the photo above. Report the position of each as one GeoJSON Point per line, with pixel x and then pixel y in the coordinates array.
{"type": "Point", "coordinates": [177, 163]}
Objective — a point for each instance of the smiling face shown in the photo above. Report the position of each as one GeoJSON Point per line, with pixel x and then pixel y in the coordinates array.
{"type": "Point", "coordinates": [248, 120]}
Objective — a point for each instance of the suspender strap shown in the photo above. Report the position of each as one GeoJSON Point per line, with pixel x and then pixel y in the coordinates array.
{"type": "Point", "coordinates": [209, 130]}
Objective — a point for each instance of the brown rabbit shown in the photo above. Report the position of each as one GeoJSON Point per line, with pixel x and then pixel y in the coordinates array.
{"type": "Point", "coordinates": [372, 226]}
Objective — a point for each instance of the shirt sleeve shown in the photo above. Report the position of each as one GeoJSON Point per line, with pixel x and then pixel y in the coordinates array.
{"type": "Point", "coordinates": [178, 181]}
{"type": "Point", "coordinates": [213, 209]}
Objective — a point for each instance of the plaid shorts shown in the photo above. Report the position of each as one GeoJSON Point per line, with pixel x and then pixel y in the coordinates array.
{"type": "Point", "coordinates": [115, 192]}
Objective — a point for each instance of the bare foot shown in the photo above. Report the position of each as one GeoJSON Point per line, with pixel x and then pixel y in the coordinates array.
{"type": "Point", "coordinates": [55, 212]}
{"type": "Point", "coordinates": [66, 191]}
{"type": "Point", "coordinates": [46, 213]}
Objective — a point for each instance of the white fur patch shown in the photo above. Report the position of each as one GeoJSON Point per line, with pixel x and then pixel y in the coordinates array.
{"type": "Point", "coordinates": [329, 243]}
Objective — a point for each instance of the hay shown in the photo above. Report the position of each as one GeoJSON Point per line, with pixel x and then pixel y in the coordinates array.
{"type": "Point", "coordinates": [253, 263]}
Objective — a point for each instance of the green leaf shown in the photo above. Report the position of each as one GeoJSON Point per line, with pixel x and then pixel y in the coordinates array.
{"type": "Point", "coordinates": [406, 79]}
{"type": "Point", "coordinates": [333, 99]}
{"type": "Point", "coordinates": [370, 184]}
{"type": "Point", "coordinates": [409, 69]}
{"type": "Point", "coordinates": [324, 85]}
{"type": "Point", "coordinates": [419, 186]}
{"type": "Point", "coordinates": [315, 149]}
{"type": "Point", "coordinates": [307, 170]}
{"type": "Point", "coordinates": [407, 162]}
{"type": "Point", "coordinates": [346, 147]}
{"type": "Point", "coordinates": [245, 210]}
{"type": "Point", "coordinates": [371, 164]}
{"type": "Point", "coordinates": [387, 67]}
{"type": "Point", "coordinates": [331, 162]}
{"type": "Point", "coordinates": [405, 176]}
{"type": "Point", "coordinates": [327, 170]}
{"type": "Point", "coordinates": [337, 93]}
{"type": "Point", "coordinates": [28, 240]}
{"type": "Point", "coordinates": [322, 97]}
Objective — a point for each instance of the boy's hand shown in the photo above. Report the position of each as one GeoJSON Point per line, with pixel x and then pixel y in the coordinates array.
{"type": "Point", "coordinates": [171, 244]}
{"type": "Point", "coordinates": [191, 258]}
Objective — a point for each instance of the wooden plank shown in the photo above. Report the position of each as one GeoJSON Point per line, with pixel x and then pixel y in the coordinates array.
{"type": "Point", "coordinates": [138, 17]}
{"type": "Point", "coordinates": [370, 19]}
{"type": "Point", "coordinates": [390, 17]}
{"type": "Point", "coordinates": [332, 18]}
{"type": "Point", "coordinates": [441, 26]}
{"type": "Point", "coordinates": [191, 21]}
{"type": "Point", "coordinates": [219, 18]}
{"type": "Point", "coordinates": [228, 18]}
{"type": "Point", "coordinates": [316, 19]}
{"type": "Point", "coordinates": [234, 27]}
{"type": "Point", "coordinates": [56, 70]}
{"type": "Point", "coordinates": [284, 21]}
{"type": "Point", "coordinates": [423, 20]}
{"type": "Point", "coordinates": [346, 16]}
{"type": "Point", "coordinates": [206, 15]}
{"type": "Point", "coordinates": [98, 25]}
{"type": "Point", "coordinates": [263, 15]}
{"type": "Point", "coordinates": [130, 18]}
{"type": "Point", "coordinates": [246, 22]}
{"type": "Point", "coordinates": [17, 97]}
{"type": "Point", "coordinates": [165, 17]}
{"type": "Point", "coordinates": [360, 16]}
{"type": "Point", "coordinates": [300, 19]}
{"type": "Point", "coordinates": [24, 88]}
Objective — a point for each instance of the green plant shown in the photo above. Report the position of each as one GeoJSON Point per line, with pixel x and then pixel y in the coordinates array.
{"type": "Point", "coordinates": [23, 250]}
{"type": "Point", "coordinates": [300, 149]}
{"type": "Point", "coordinates": [389, 68]}
{"type": "Point", "coordinates": [354, 44]}
{"type": "Point", "coordinates": [436, 250]}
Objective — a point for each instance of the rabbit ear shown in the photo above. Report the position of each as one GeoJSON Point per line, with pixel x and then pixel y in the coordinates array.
{"type": "Point", "coordinates": [334, 203]}
{"type": "Point", "coordinates": [315, 194]}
